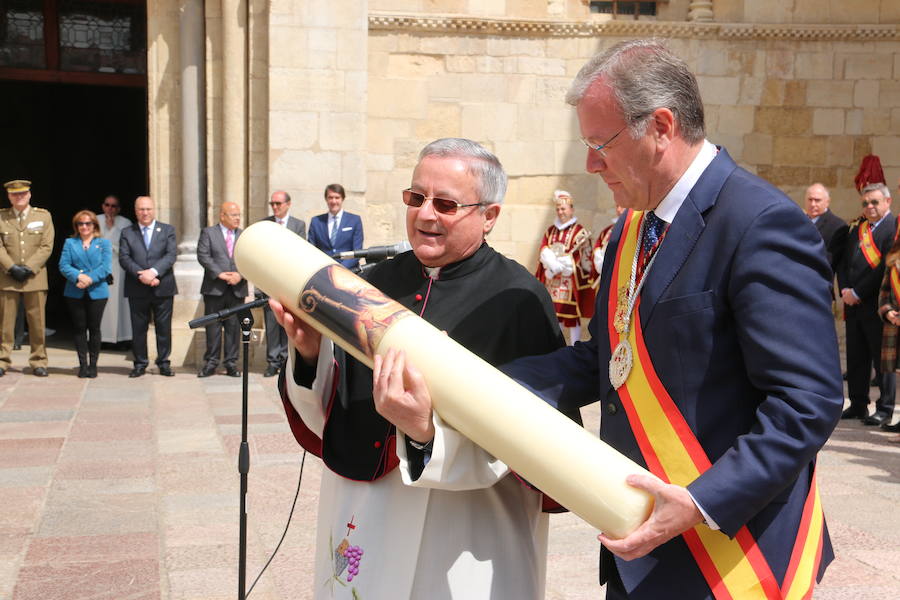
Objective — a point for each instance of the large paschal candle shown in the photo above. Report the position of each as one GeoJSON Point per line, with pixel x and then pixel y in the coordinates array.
{"type": "Point", "coordinates": [558, 456]}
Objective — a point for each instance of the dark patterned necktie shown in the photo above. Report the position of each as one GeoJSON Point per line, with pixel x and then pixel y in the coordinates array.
{"type": "Point", "coordinates": [654, 230]}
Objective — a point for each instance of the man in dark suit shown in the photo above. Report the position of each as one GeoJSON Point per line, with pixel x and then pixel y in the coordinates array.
{"type": "Point", "coordinates": [816, 201]}
{"type": "Point", "coordinates": [147, 252]}
{"type": "Point", "coordinates": [336, 230]}
{"type": "Point", "coordinates": [713, 346]}
{"type": "Point", "coordinates": [222, 287]}
{"type": "Point", "coordinates": [276, 340]}
{"type": "Point", "coordinates": [860, 271]}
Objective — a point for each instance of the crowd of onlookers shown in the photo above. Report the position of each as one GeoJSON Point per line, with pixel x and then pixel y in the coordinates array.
{"type": "Point", "coordinates": [119, 278]}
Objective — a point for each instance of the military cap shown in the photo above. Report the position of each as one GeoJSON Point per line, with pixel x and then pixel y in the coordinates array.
{"type": "Point", "coordinates": [17, 185]}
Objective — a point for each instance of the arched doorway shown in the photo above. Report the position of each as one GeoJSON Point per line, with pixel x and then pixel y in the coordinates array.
{"type": "Point", "coordinates": [73, 109]}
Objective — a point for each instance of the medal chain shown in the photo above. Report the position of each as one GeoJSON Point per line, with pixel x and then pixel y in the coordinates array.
{"type": "Point", "coordinates": [634, 288]}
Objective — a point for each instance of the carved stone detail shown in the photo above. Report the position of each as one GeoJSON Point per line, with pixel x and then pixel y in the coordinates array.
{"type": "Point", "coordinates": [627, 28]}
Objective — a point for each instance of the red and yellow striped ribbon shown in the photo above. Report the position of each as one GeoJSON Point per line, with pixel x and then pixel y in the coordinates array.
{"type": "Point", "coordinates": [867, 244]}
{"type": "Point", "coordinates": [895, 283]}
{"type": "Point", "coordinates": [733, 568]}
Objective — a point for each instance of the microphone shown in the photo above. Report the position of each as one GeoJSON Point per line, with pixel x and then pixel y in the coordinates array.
{"type": "Point", "coordinates": [375, 253]}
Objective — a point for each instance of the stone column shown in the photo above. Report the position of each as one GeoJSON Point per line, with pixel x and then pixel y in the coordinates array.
{"type": "Point", "coordinates": [193, 140]}
{"type": "Point", "coordinates": [700, 11]}
{"type": "Point", "coordinates": [188, 272]}
{"type": "Point", "coordinates": [234, 122]}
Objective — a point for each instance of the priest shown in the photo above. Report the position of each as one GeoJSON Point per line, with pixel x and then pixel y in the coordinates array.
{"type": "Point", "coordinates": [408, 507]}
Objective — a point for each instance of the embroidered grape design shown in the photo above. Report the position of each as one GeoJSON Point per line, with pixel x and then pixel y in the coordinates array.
{"type": "Point", "coordinates": [353, 554]}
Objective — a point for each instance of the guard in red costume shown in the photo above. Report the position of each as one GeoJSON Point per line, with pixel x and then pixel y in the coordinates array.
{"type": "Point", "coordinates": [565, 267]}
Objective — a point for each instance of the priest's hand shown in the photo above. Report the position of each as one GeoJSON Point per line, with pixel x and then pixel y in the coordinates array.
{"type": "Point", "coordinates": [301, 335]}
{"type": "Point", "coordinates": [402, 397]}
{"type": "Point", "coordinates": [674, 512]}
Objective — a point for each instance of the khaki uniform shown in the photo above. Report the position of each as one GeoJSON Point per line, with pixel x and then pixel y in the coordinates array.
{"type": "Point", "coordinates": [27, 242]}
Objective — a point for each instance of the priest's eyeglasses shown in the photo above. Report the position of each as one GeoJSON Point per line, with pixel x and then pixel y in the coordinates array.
{"type": "Point", "coordinates": [601, 148]}
{"type": "Point", "coordinates": [441, 205]}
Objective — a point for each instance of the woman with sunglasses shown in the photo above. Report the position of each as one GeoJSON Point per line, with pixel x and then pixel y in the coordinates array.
{"type": "Point", "coordinates": [86, 262]}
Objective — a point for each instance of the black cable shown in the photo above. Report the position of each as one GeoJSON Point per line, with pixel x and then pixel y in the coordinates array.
{"type": "Point", "coordinates": [284, 534]}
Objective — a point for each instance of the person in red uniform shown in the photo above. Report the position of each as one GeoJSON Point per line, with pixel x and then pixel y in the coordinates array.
{"type": "Point", "coordinates": [565, 267]}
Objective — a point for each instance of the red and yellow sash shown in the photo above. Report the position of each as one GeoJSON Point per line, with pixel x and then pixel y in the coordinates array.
{"type": "Point", "coordinates": [867, 244]}
{"type": "Point", "coordinates": [895, 283]}
{"type": "Point", "coordinates": [733, 568]}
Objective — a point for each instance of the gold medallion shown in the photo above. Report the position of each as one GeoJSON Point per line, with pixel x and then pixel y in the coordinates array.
{"type": "Point", "coordinates": [620, 364]}
{"type": "Point", "coordinates": [621, 318]}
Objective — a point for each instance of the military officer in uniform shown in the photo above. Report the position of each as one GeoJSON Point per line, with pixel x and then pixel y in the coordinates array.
{"type": "Point", "coordinates": [26, 240]}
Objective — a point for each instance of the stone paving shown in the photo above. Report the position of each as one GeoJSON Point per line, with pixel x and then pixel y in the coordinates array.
{"type": "Point", "coordinates": [116, 488]}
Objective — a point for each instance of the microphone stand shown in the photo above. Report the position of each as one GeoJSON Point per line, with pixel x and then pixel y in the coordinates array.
{"type": "Point", "coordinates": [246, 320]}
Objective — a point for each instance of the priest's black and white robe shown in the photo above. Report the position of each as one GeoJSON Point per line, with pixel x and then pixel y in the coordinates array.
{"type": "Point", "coordinates": [392, 524]}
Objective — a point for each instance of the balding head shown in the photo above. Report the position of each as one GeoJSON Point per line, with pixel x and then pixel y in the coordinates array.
{"type": "Point", "coordinates": [816, 200]}
{"type": "Point", "coordinates": [230, 215]}
{"type": "Point", "coordinates": [145, 210]}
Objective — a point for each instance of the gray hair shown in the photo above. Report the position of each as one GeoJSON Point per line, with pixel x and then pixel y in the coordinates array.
{"type": "Point", "coordinates": [644, 75]}
{"type": "Point", "coordinates": [876, 187]}
{"type": "Point", "coordinates": [480, 162]}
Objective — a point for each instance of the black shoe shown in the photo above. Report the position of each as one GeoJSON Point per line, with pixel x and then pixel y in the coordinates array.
{"type": "Point", "coordinates": [271, 371]}
{"type": "Point", "coordinates": [232, 372]}
{"type": "Point", "coordinates": [166, 371]}
{"type": "Point", "coordinates": [17, 346]}
{"type": "Point", "coordinates": [876, 419]}
{"type": "Point", "coordinates": [92, 371]}
{"type": "Point", "coordinates": [137, 372]}
{"type": "Point", "coordinates": [854, 413]}
{"type": "Point", "coordinates": [40, 372]}
{"type": "Point", "coordinates": [895, 428]}
{"type": "Point", "coordinates": [206, 371]}
{"type": "Point", "coordinates": [2, 371]}
{"type": "Point", "coordinates": [83, 372]}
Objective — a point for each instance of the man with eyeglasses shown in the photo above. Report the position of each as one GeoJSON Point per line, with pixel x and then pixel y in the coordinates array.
{"type": "Point", "coordinates": [26, 241]}
{"type": "Point", "coordinates": [337, 230]}
{"type": "Point", "coordinates": [713, 348]}
{"type": "Point", "coordinates": [860, 270]}
{"type": "Point", "coordinates": [408, 507]}
{"type": "Point", "coordinates": [147, 253]}
{"type": "Point", "coordinates": [276, 340]}
{"type": "Point", "coordinates": [115, 327]}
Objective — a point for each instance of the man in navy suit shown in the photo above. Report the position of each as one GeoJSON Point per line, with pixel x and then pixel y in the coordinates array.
{"type": "Point", "coordinates": [815, 203]}
{"type": "Point", "coordinates": [147, 252]}
{"type": "Point", "coordinates": [860, 269]}
{"type": "Point", "coordinates": [276, 340]}
{"type": "Point", "coordinates": [713, 348]}
{"type": "Point", "coordinates": [336, 230]}
{"type": "Point", "coordinates": [222, 287]}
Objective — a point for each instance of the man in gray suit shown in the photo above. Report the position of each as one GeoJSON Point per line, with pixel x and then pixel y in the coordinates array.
{"type": "Point", "coordinates": [223, 287]}
{"type": "Point", "coordinates": [276, 340]}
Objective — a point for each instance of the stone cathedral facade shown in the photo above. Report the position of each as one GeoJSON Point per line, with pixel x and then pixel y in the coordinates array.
{"type": "Point", "coordinates": [296, 94]}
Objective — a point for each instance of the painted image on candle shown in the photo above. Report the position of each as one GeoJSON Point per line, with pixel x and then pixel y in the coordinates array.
{"type": "Point", "coordinates": [350, 307]}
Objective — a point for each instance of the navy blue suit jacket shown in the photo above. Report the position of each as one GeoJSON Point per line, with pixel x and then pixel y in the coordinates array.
{"type": "Point", "coordinates": [350, 236]}
{"type": "Point", "coordinates": [736, 314]}
{"type": "Point", "coordinates": [161, 255]}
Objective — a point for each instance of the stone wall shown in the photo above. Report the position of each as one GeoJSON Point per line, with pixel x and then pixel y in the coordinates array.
{"type": "Point", "coordinates": [795, 104]}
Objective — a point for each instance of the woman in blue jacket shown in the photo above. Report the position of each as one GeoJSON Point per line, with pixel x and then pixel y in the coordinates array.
{"type": "Point", "coordinates": [86, 263]}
